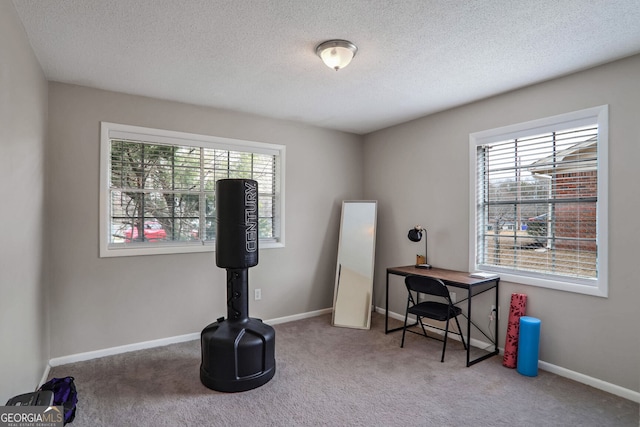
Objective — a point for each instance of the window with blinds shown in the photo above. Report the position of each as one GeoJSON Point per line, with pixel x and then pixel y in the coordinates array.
{"type": "Point", "coordinates": [159, 189]}
{"type": "Point", "coordinates": [538, 201]}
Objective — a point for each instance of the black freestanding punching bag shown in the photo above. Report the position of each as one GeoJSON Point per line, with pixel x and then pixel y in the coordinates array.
{"type": "Point", "coordinates": [238, 353]}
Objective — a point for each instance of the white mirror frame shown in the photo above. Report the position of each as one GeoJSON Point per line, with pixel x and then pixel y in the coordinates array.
{"type": "Point", "coordinates": [353, 292]}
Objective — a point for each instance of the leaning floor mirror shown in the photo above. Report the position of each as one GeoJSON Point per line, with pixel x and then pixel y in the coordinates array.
{"type": "Point", "coordinates": [354, 273]}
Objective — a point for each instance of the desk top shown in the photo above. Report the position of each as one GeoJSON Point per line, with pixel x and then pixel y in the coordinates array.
{"type": "Point", "coordinates": [451, 277]}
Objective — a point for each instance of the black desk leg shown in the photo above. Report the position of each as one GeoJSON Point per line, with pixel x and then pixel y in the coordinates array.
{"type": "Point", "coordinates": [468, 326]}
{"type": "Point", "coordinates": [497, 320]}
{"type": "Point", "coordinates": [495, 339]}
{"type": "Point", "coordinates": [386, 306]}
{"type": "Point", "coordinates": [386, 312]}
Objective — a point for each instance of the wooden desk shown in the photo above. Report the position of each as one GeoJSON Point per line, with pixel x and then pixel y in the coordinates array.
{"type": "Point", "coordinates": [456, 279]}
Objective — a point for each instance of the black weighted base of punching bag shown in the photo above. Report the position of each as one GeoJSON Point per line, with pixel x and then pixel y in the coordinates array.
{"type": "Point", "coordinates": [238, 353]}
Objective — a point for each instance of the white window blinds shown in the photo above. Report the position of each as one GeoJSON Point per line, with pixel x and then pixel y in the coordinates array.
{"type": "Point", "coordinates": [537, 202]}
{"type": "Point", "coordinates": [160, 187]}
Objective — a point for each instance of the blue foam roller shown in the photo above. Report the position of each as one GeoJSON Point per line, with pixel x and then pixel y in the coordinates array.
{"type": "Point", "coordinates": [528, 346]}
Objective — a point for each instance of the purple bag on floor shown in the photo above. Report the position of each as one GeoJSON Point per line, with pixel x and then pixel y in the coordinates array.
{"type": "Point", "coordinates": [64, 394]}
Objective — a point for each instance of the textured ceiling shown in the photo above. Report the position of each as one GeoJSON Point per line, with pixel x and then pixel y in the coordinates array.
{"type": "Point", "coordinates": [258, 56]}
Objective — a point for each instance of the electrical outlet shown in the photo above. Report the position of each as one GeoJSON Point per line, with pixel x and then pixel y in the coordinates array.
{"type": "Point", "coordinates": [257, 294]}
{"type": "Point", "coordinates": [453, 297]}
{"type": "Point", "coordinates": [493, 313]}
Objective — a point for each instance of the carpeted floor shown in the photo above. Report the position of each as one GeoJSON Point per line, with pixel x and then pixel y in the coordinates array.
{"type": "Point", "coordinates": [327, 376]}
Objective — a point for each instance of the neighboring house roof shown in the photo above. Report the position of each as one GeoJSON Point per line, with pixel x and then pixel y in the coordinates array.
{"type": "Point", "coordinates": [581, 157]}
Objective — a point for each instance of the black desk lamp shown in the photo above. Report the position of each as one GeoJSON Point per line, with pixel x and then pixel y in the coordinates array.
{"type": "Point", "coordinates": [415, 235]}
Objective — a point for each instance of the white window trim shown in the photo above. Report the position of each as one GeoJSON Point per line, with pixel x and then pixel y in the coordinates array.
{"type": "Point", "coordinates": [596, 287]}
{"type": "Point", "coordinates": [110, 130]}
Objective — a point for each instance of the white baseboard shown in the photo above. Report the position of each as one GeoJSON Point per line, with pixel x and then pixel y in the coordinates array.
{"type": "Point", "coordinates": [300, 316]}
{"type": "Point", "coordinates": [80, 357]}
{"type": "Point", "coordinates": [45, 376]}
{"type": "Point", "coordinates": [625, 393]}
{"type": "Point", "coordinates": [634, 396]}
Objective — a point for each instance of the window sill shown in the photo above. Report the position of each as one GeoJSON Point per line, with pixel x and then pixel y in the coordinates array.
{"type": "Point", "coordinates": [167, 249]}
{"type": "Point", "coordinates": [592, 287]}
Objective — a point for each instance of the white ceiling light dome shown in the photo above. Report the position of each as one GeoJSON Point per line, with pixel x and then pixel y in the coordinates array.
{"type": "Point", "coordinates": [336, 54]}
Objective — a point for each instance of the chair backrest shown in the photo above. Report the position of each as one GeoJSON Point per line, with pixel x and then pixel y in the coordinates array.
{"type": "Point", "coordinates": [427, 285]}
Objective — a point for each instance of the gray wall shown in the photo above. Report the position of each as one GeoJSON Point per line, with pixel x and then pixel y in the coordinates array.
{"type": "Point", "coordinates": [98, 303]}
{"type": "Point", "coordinates": [23, 114]}
{"type": "Point", "coordinates": [419, 172]}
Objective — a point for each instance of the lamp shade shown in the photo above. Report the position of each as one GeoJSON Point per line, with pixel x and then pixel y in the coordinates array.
{"type": "Point", "coordinates": [415, 235]}
{"type": "Point", "coordinates": [336, 54]}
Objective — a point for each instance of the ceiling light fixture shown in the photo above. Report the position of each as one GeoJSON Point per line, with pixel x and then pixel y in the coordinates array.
{"type": "Point", "coordinates": [336, 54]}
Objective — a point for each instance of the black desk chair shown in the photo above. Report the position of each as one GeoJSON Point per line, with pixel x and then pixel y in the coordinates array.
{"type": "Point", "coordinates": [442, 311]}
